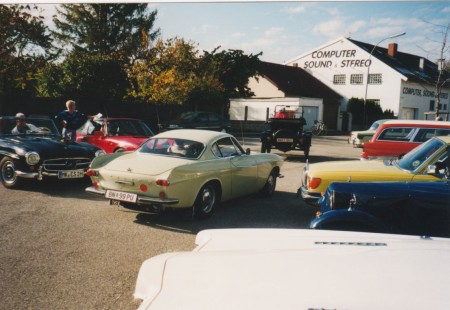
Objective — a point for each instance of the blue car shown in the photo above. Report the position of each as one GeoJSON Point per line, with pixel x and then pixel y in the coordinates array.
{"type": "Point", "coordinates": [411, 208]}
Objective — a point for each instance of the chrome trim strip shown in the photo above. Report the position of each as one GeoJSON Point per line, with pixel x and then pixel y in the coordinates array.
{"type": "Point", "coordinates": [124, 182]}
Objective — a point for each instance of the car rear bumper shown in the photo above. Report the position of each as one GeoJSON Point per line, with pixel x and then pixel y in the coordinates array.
{"type": "Point", "coordinates": [309, 197]}
{"type": "Point", "coordinates": [141, 200]}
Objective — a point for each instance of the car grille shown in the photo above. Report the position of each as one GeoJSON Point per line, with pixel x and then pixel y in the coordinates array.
{"type": "Point", "coordinates": [66, 164]}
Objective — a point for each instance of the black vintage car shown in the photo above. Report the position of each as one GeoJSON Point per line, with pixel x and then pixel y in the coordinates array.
{"type": "Point", "coordinates": [285, 131]}
{"type": "Point", "coordinates": [412, 208]}
{"type": "Point", "coordinates": [32, 148]}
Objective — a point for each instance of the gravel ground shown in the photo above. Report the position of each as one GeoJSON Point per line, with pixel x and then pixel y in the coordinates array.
{"type": "Point", "coordinates": [62, 248]}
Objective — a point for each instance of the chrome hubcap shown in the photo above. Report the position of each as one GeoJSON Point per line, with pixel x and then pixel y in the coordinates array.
{"type": "Point", "coordinates": [9, 173]}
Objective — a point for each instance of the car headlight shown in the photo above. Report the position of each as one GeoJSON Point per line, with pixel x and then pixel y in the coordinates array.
{"type": "Point", "coordinates": [32, 158]}
{"type": "Point", "coordinates": [99, 153]}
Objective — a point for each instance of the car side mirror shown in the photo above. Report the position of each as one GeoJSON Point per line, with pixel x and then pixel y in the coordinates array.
{"type": "Point", "coordinates": [98, 133]}
{"type": "Point", "coordinates": [247, 151]}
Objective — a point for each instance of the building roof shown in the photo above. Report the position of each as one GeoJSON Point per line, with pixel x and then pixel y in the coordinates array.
{"type": "Point", "coordinates": [407, 64]}
{"type": "Point", "coordinates": [296, 82]}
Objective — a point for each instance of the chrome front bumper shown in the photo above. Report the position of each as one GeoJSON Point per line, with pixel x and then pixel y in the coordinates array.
{"type": "Point", "coordinates": [141, 200]}
{"type": "Point", "coordinates": [35, 175]}
{"type": "Point", "coordinates": [309, 197]}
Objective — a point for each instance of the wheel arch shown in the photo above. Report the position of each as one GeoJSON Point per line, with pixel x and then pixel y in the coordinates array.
{"type": "Point", "coordinates": [343, 218]}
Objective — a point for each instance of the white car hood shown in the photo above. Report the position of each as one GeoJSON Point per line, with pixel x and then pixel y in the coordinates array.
{"type": "Point", "coordinates": [299, 269]}
{"type": "Point", "coordinates": [143, 163]}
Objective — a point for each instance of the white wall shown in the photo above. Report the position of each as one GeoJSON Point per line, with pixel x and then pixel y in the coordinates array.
{"type": "Point", "coordinates": [417, 96]}
{"type": "Point", "coordinates": [257, 108]}
{"type": "Point", "coordinates": [263, 88]}
{"type": "Point", "coordinates": [344, 57]}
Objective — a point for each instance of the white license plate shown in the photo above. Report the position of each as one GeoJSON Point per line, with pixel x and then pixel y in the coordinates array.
{"type": "Point", "coordinates": [285, 140]}
{"type": "Point", "coordinates": [122, 196]}
{"type": "Point", "coordinates": [70, 174]}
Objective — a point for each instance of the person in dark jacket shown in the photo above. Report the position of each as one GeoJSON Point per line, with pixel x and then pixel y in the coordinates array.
{"type": "Point", "coordinates": [70, 120]}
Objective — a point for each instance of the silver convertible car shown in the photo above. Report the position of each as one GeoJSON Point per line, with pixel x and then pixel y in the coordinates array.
{"type": "Point", "coordinates": [184, 168]}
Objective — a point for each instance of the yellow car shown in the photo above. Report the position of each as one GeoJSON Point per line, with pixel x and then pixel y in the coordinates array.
{"type": "Point", "coordinates": [184, 168]}
{"type": "Point", "coordinates": [424, 163]}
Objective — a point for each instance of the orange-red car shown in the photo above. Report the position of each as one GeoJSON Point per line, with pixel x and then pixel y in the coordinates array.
{"type": "Point", "coordinates": [397, 137]}
{"type": "Point", "coordinates": [115, 134]}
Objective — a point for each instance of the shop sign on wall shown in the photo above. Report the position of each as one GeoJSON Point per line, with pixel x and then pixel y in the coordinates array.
{"type": "Point", "coordinates": [422, 92]}
{"type": "Point", "coordinates": [336, 58]}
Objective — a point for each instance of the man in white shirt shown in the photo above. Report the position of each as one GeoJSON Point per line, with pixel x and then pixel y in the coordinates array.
{"type": "Point", "coordinates": [22, 126]}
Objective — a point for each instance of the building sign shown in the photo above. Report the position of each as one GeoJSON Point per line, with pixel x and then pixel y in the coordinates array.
{"type": "Point", "coordinates": [336, 58]}
{"type": "Point", "coordinates": [422, 92]}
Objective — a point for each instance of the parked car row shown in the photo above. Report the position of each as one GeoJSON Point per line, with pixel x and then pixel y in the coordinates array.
{"type": "Point", "coordinates": [405, 190]}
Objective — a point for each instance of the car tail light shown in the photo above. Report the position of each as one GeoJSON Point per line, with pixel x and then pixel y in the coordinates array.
{"type": "Point", "coordinates": [162, 182]}
{"type": "Point", "coordinates": [95, 184]}
{"type": "Point", "coordinates": [162, 195]}
{"type": "Point", "coordinates": [143, 188]}
{"type": "Point", "coordinates": [92, 173]}
{"type": "Point", "coordinates": [314, 182]}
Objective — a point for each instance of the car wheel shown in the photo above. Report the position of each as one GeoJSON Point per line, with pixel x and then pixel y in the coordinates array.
{"type": "Point", "coordinates": [271, 183]}
{"type": "Point", "coordinates": [8, 173]}
{"type": "Point", "coordinates": [206, 201]}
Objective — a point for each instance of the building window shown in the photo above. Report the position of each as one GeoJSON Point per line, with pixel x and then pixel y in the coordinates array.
{"type": "Point", "coordinates": [356, 79]}
{"type": "Point", "coordinates": [375, 78]}
{"type": "Point", "coordinates": [339, 79]}
{"type": "Point", "coordinates": [431, 105]}
{"type": "Point", "coordinates": [445, 107]}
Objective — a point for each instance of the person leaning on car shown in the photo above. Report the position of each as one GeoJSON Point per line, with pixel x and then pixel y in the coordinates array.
{"type": "Point", "coordinates": [22, 126]}
{"type": "Point", "coordinates": [71, 120]}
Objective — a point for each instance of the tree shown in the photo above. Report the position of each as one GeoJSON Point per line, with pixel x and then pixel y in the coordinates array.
{"type": "Point", "coordinates": [120, 30]}
{"type": "Point", "coordinates": [25, 46]}
{"type": "Point", "coordinates": [174, 73]}
{"type": "Point", "coordinates": [94, 77]}
{"type": "Point", "coordinates": [373, 109]}
{"type": "Point", "coordinates": [166, 75]}
{"type": "Point", "coordinates": [233, 69]}
{"type": "Point", "coordinates": [443, 76]}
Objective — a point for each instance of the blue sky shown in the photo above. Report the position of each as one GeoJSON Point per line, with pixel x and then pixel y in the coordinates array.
{"type": "Point", "coordinates": [284, 30]}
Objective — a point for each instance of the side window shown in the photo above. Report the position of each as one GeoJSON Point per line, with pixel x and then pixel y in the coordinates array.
{"type": "Point", "coordinates": [227, 147]}
{"type": "Point", "coordinates": [213, 117]}
{"type": "Point", "coordinates": [428, 133]}
{"type": "Point", "coordinates": [202, 117]}
{"type": "Point", "coordinates": [396, 134]}
{"type": "Point", "coordinates": [215, 150]}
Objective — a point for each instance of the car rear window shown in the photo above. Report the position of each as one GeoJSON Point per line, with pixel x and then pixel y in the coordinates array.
{"type": "Point", "coordinates": [173, 147]}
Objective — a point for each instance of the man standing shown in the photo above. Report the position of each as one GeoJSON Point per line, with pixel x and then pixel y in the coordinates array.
{"type": "Point", "coordinates": [71, 119]}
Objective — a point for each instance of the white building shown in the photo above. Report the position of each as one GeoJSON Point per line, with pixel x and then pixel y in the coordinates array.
{"type": "Point", "coordinates": [401, 82]}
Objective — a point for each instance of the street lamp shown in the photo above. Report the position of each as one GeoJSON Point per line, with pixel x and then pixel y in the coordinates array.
{"type": "Point", "coordinates": [368, 68]}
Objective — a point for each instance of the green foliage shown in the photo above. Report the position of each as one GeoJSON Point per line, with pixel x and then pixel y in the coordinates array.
{"type": "Point", "coordinates": [25, 46]}
{"type": "Point", "coordinates": [95, 77]}
{"type": "Point", "coordinates": [233, 69]}
{"type": "Point", "coordinates": [122, 30]}
{"type": "Point", "coordinates": [373, 112]}
{"type": "Point", "coordinates": [173, 73]}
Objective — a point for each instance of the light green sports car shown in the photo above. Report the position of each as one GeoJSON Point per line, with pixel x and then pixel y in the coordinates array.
{"type": "Point", "coordinates": [184, 168]}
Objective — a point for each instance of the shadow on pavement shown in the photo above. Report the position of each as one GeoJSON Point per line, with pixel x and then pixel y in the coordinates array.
{"type": "Point", "coordinates": [283, 210]}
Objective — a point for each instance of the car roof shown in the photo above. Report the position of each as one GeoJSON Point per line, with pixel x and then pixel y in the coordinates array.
{"type": "Point", "coordinates": [199, 135]}
{"type": "Point", "coordinates": [416, 122]}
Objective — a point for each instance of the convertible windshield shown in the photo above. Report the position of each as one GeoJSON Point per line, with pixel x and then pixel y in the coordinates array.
{"type": "Point", "coordinates": [27, 125]}
{"type": "Point", "coordinates": [173, 147]}
{"type": "Point", "coordinates": [415, 158]}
